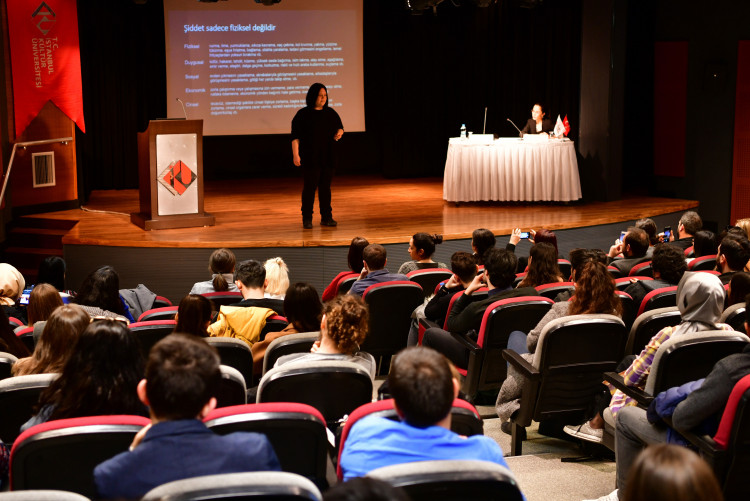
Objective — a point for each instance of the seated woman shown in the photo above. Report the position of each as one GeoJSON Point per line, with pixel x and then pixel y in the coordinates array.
{"type": "Point", "coordinates": [343, 329]}
{"type": "Point", "coordinates": [303, 310]}
{"type": "Point", "coordinates": [193, 315]}
{"type": "Point", "coordinates": [594, 293]}
{"type": "Point", "coordinates": [277, 274]}
{"type": "Point", "coordinates": [482, 239]}
{"type": "Point", "coordinates": [60, 334]}
{"type": "Point", "coordinates": [221, 266]}
{"type": "Point", "coordinates": [12, 285]}
{"type": "Point", "coordinates": [739, 288]}
{"type": "Point", "coordinates": [543, 268]}
{"type": "Point", "coordinates": [354, 260]}
{"type": "Point", "coordinates": [535, 237]}
{"type": "Point", "coordinates": [43, 300]}
{"type": "Point", "coordinates": [52, 271]}
{"type": "Point", "coordinates": [99, 295]}
{"type": "Point", "coordinates": [99, 378]}
{"type": "Point", "coordinates": [421, 249]}
{"type": "Point", "coordinates": [704, 244]}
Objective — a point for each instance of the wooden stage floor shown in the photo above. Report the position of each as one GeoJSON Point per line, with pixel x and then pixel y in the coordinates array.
{"type": "Point", "coordinates": [265, 213]}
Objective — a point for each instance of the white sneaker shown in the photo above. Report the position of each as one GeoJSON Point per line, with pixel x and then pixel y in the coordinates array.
{"type": "Point", "coordinates": [612, 496]}
{"type": "Point", "coordinates": [585, 432]}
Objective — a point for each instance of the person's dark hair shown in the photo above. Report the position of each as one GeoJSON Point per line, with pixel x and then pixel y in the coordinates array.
{"type": "Point", "coordinates": [312, 94]}
{"type": "Point", "coordinates": [251, 273]}
{"type": "Point", "coordinates": [739, 288]}
{"type": "Point", "coordinates": [667, 472]}
{"type": "Point", "coordinates": [182, 374]}
{"type": "Point", "coordinates": [543, 268]}
{"type": "Point", "coordinates": [637, 239]}
{"type": "Point", "coordinates": [302, 307]}
{"type": "Point", "coordinates": [43, 300]}
{"type": "Point", "coordinates": [736, 250]}
{"type": "Point", "coordinates": [541, 107]}
{"type": "Point", "coordinates": [546, 236]}
{"type": "Point", "coordinates": [595, 291]}
{"type": "Point", "coordinates": [375, 256]}
{"type": "Point", "coordinates": [426, 243]}
{"type": "Point", "coordinates": [52, 271]}
{"type": "Point", "coordinates": [354, 257]}
{"type": "Point", "coordinates": [221, 261]}
{"type": "Point", "coordinates": [649, 226]}
{"type": "Point", "coordinates": [670, 262]}
{"type": "Point", "coordinates": [421, 383]}
{"type": "Point", "coordinates": [101, 288]}
{"type": "Point", "coordinates": [365, 489]}
{"type": "Point", "coordinates": [692, 222]}
{"type": "Point", "coordinates": [482, 239]}
{"type": "Point", "coordinates": [579, 257]}
{"type": "Point", "coordinates": [705, 243]}
{"type": "Point", "coordinates": [346, 322]}
{"type": "Point", "coordinates": [500, 266]}
{"type": "Point", "coordinates": [9, 342]}
{"type": "Point", "coordinates": [463, 265]}
{"type": "Point", "coordinates": [101, 375]}
{"type": "Point", "coordinates": [193, 313]}
{"type": "Point", "coordinates": [747, 310]}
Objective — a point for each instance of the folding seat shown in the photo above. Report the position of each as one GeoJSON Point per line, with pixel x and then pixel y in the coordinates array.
{"type": "Point", "coordinates": [425, 324]}
{"type": "Point", "coordinates": [735, 316]}
{"type": "Point", "coordinates": [163, 313]}
{"type": "Point", "coordinates": [628, 308]}
{"type": "Point", "coordinates": [344, 285]}
{"type": "Point", "coordinates": [18, 397]}
{"type": "Point", "coordinates": [297, 432]}
{"type": "Point", "coordinates": [232, 389]}
{"type": "Point", "coordinates": [429, 278]}
{"type": "Point", "coordinates": [565, 268]}
{"type": "Point", "coordinates": [225, 298]}
{"type": "Point", "coordinates": [26, 335]}
{"type": "Point", "coordinates": [161, 302]}
{"type": "Point", "coordinates": [552, 290]}
{"type": "Point", "coordinates": [703, 263]}
{"type": "Point", "coordinates": [623, 283]}
{"type": "Point", "coordinates": [614, 272]}
{"type": "Point", "coordinates": [648, 324]}
{"type": "Point", "coordinates": [286, 345]}
{"type": "Point", "coordinates": [274, 323]}
{"type": "Point", "coordinates": [14, 322]}
{"type": "Point", "coordinates": [6, 363]}
{"type": "Point", "coordinates": [663, 297]}
{"type": "Point", "coordinates": [234, 353]}
{"type": "Point", "coordinates": [644, 269]}
{"type": "Point", "coordinates": [151, 332]}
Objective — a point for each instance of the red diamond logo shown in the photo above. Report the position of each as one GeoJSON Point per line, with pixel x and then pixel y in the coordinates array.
{"type": "Point", "coordinates": [177, 178]}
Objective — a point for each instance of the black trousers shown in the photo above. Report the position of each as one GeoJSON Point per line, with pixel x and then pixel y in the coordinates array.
{"type": "Point", "coordinates": [316, 177]}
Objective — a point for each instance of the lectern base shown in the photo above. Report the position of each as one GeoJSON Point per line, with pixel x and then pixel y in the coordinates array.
{"type": "Point", "coordinates": [166, 222]}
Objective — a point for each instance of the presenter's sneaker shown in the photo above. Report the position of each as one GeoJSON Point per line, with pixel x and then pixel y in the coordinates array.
{"type": "Point", "coordinates": [585, 432]}
{"type": "Point", "coordinates": [307, 224]}
{"type": "Point", "coordinates": [328, 222]}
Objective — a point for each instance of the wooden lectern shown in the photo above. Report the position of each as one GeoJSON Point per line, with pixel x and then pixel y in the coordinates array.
{"type": "Point", "coordinates": [170, 176]}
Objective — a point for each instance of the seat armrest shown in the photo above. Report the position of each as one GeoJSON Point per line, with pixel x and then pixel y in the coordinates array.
{"type": "Point", "coordinates": [465, 341]}
{"type": "Point", "coordinates": [428, 324]}
{"type": "Point", "coordinates": [526, 369]}
{"type": "Point", "coordinates": [705, 444]}
{"type": "Point", "coordinates": [640, 396]}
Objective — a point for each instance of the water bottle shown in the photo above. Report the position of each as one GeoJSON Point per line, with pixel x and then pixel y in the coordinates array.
{"type": "Point", "coordinates": [463, 131]}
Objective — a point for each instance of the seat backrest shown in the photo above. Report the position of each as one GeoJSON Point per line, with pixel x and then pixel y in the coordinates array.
{"type": "Point", "coordinates": [659, 298]}
{"type": "Point", "coordinates": [286, 345]}
{"type": "Point", "coordinates": [161, 302]}
{"type": "Point", "coordinates": [334, 388]}
{"type": "Point", "coordinates": [734, 436]}
{"type": "Point", "coordinates": [391, 305]}
{"type": "Point", "coordinates": [14, 322]}
{"type": "Point", "coordinates": [689, 357]}
{"type": "Point", "coordinates": [628, 307]}
{"type": "Point", "coordinates": [644, 269]}
{"type": "Point", "coordinates": [274, 323]}
{"type": "Point", "coordinates": [232, 389]}
{"type": "Point", "coordinates": [429, 278]}
{"type": "Point", "coordinates": [6, 364]}
{"type": "Point", "coordinates": [479, 295]}
{"type": "Point", "coordinates": [451, 479]}
{"type": "Point", "coordinates": [738, 398]}
{"type": "Point", "coordinates": [296, 431]}
{"type": "Point", "coordinates": [151, 332]}
{"type": "Point", "coordinates": [266, 485]}
{"type": "Point", "coordinates": [62, 454]}
{"type": "Point", "coordinates": [26, 335]}
{"type": "Point", "coordinates": [648, 324]}
{"type": "Point", "coordinates": [234, 353]}
{"type": "Point", "coordinates": [18, 397]}
{"type": "Point", "coordinates": [345, 284]}
{"type": "Point", "coordinates": [566, 268]}
{"type": "Point", "coordinates": [224, 298]}
{"type": "Point", "coordinates": [42, 495]}
{"type": "Point", "coordinates": [163, 313]}
{"type": "Point", "coordinates": [623, 283]}
{"type": "Point", "coordinates": [615, 272]}
{"type": "Point", "coordinates": [702, 263]}
{"type": "Point", "coordinates": [553, 289]}
{"type": "Point", "coordinates": [735, 316]}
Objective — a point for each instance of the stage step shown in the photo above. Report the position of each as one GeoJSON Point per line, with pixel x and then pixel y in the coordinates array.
{"type": "Point", "coordinates": [32, 239]}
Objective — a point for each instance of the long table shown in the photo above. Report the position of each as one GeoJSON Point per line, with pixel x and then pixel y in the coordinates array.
{"type": "Point", "coordinates": [510, 169]}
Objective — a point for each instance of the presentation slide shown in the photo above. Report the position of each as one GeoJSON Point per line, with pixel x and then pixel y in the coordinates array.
{"type": "Point", "coordinates": [244, 68]}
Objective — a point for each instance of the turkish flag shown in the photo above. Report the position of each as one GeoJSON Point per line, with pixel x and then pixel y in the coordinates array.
{"type": "Point", "coordinates": [45, 59]}
{"type": "Point", "coordinates": [566, 124]}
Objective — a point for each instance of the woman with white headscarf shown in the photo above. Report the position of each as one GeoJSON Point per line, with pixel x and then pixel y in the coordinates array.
{"type": "Point", "coordinates": [12, 284]}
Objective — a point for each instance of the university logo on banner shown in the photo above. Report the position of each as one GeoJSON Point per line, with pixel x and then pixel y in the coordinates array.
{"type": "Point", "coordinates": [45, 59]}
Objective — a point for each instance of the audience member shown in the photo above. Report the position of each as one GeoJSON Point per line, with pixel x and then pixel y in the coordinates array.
{"type": "Point", "coordinates": [343, 328]}
{"type": "Point", "coordinates": [374, 270]}
{"type": "Point", "coordinates": [12, 285]}
{"type": "Point", "coordinates": [464, 270]}
{"type": "Point", "coordinates": [423, 390]}
{"type": "Point", "coordinates": [60, 334]}
{"type": "Point", "coordinates": [52, 271]}
{"type": "Point", "coordinates": [668, 265]}
{"type": "Point", "coordinates": [578, 259]}
{"type": "Point", "coordinates": [421, 249]}
{"type": "Point", "coordinates": [182, 378]}
{"type": "Point", "coordinates": [690, 223]}
{"type": "Point", "coordinates": [594, 293]}
{"type": "Point", "coordinates": [543, 267]}
{"type": "Point", "coordinates": [649, 226]}
{"type": "Point", "coordinates": [739, 288]}
{"type": "Point", "coordinates": [250, 279]}
{"type": "Point", "coordinates": [221, 266]}
{"type": "Point", "coordinates": [193, 315]}
{"type": "Point", "coordinates": [705, 243]}
{"type": "Point", "coordinates": [9, 342]}
{"type": "Point", "coordinates": [744, 224]}
{"type": "Point", "coordinates": [99, 377]}
{"type": "Point", "coordinates": [733, 255]}
{"type": "Point", "coordinates": [43, 300]}
{"type": "Point", "coordinates": [466, 314]}
{"type": "Point", "coordinates": [365, 489]}
{"type": "Point", "coordinates": [633, 249]}
{"type": "Point", "coordinates": [482, 240]}
{"type": "Point", "coordinates": [99, 295]}
{"type": "Point", "coordinates": [277, 274]}
{"type": "Point", "coordinates": [355, 262]}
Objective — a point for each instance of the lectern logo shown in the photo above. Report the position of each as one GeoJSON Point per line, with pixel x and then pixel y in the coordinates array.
{"type": "Point", "coordinates": [177, 178]}
{"type": "Point", "coordinates": [45, 18]}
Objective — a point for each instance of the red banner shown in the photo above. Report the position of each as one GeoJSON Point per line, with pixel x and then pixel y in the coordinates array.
{"type": "Point", "coordinates": [45, 59]}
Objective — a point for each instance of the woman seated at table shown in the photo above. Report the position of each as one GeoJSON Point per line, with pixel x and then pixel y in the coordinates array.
{"type": "Point", "coordinates": [537, 124]}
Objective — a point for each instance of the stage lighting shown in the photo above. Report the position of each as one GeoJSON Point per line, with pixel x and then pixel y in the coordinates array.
{"type": "Point", "coordinates": [267, 2]}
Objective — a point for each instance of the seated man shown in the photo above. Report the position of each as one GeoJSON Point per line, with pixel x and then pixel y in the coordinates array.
{"type": "Point", "coordinates": [704, 405]}
{"type": "Point", "coordinates": [464, 270]}
{"type": "Point", "coordinates": [690, 223]}
{"type": "Point", "coordinates": [466, 314]}
{"type": "Point", "coordinates": [633, 248]}
{"type": "Point", "coordinates": [423, 390]}
{"type": "Point", "coordinates": [734, 253]}
{"type": "Point", "coordinates": [374, 270]}
{"type": "Point", "coordinates": [182, 377]}
{"type": "Point", "coordinates": [668, 264]}
{"type": "Point", "coordinates": [250, 279]}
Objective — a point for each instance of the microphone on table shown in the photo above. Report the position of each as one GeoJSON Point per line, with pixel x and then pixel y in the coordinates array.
{"type": "Point", "coordinates": [183, 107]}
{"type": "Point", "coordinates": [514, 125]}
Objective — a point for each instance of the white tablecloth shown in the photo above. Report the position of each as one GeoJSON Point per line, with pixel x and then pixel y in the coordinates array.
{"type": "Point", "coordinates": [510, 170]}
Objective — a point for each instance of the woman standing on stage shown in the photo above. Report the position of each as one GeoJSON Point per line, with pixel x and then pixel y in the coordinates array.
{"type": "Point", "coordinates": [315, 129]}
